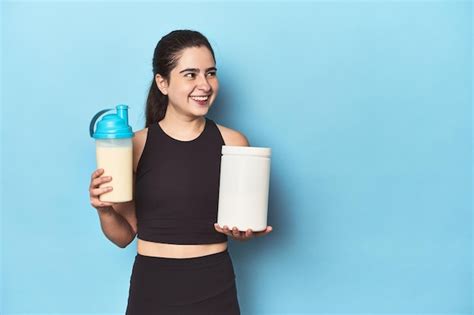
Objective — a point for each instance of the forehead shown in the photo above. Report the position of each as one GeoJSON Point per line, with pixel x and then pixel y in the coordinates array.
{"type": "Point", "coordinates": [195, 57]}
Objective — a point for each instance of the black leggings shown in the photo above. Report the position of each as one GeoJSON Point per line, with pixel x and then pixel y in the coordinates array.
{"type": "Point", "coordinates": [198, 285]}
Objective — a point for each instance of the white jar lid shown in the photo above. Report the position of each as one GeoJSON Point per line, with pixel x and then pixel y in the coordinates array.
{"type": "Point", "coordinates": [242, 150]}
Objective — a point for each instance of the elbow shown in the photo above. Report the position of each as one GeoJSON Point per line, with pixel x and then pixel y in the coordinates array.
{"type": "Point", "coordinates": [122, 245]}
{"type": "Point", "coordinates": [125, 244]}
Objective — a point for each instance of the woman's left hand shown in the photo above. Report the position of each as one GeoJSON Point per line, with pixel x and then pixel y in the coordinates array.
{"type": "Point", "coordinates": [241, 236]}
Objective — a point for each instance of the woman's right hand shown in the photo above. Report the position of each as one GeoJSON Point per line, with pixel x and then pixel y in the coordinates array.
{"type": "Point", "coordinates": [95, 191]}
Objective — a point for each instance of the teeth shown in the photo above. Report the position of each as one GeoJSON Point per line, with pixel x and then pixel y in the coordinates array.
{"type": "Point", "coordinates": [200, 98]}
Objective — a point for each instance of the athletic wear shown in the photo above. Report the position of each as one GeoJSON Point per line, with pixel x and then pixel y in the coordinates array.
{"type": "Point", "coordinates": [190, 286]}
{"type": "Point", "coordinates": [177, 186]}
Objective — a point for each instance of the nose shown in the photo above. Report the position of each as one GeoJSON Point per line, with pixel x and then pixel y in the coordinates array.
{"type": "Point", "coordinates": [203, 84]}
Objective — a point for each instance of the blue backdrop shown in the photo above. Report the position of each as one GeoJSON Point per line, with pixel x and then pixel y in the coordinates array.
{"type": "Point", "coordinates": [366, 106]}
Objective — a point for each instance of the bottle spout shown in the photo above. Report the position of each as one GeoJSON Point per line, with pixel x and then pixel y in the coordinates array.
{"type": "Point", "coordinates": [122, 112]}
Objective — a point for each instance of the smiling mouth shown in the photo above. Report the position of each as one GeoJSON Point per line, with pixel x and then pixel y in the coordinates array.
{"type": "Point", "coordinates": [200, 98]}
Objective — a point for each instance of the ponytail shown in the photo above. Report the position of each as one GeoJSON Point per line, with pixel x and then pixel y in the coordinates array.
{"type": "Point", "coordinates": [156, 105]}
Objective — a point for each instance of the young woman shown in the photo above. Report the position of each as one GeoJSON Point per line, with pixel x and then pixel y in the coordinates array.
{"type": "Point", "coordinates": [182, 264]}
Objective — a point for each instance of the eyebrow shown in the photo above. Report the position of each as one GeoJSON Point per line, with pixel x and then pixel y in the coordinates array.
{"type": "Point", "coordinates": [197, 70]}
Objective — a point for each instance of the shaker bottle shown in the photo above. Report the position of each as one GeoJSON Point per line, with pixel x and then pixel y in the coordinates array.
{"type": "Point", "coordinates": [114, 152]}
{"type": "Point", "coordinates": [243, 187]}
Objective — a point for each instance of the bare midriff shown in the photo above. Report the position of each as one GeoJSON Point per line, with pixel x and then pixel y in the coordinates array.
{"type": "Point", "coordinates": [165, 250]}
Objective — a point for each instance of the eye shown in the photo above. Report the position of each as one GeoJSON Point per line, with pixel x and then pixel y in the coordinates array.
{"type": "Point", "coordinates": [190, 75]}
{"type": "Point", "coordinates": [212, 73]}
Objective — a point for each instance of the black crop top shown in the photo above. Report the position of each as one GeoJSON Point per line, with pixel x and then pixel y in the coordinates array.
{"type": "Point", "coordinates": [177, 187]}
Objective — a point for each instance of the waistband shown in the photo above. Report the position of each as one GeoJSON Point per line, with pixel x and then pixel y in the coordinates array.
{"type": "Point", "coordinates": [185, 262]}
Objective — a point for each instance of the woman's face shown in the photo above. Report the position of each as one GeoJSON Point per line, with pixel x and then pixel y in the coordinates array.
{"type": "Point", "coordinates": [193, 83]}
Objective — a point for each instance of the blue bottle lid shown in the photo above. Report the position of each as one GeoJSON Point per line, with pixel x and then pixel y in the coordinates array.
{"type": "Point", "coordinates": [111, 126]}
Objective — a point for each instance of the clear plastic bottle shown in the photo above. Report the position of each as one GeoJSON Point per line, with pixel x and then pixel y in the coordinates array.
{"type": "Point", "coordinates": [114, 153]}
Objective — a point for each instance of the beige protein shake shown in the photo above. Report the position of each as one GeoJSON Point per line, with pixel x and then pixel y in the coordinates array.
{"type": "Point", "coordinates": [117, 162]}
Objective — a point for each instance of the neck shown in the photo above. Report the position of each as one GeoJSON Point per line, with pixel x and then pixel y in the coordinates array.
{"type": "Point", "coordinates": [182, 125]}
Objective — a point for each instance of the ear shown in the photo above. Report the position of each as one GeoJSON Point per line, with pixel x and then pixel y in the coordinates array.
{"type": "Point", "coordinates": [162, 84]}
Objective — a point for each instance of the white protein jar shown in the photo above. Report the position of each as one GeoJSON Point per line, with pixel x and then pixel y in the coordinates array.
{"type": "Point", "coordinates": [244, 187]}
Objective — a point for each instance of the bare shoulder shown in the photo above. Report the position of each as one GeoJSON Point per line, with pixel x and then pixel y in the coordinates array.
{"type": "Point", "coordinates": [233, 137]}
{"type": "Point", "coordinates": [139, 140]}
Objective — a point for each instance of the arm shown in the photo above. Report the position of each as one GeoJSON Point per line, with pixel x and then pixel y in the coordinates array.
{"type": "Point", "coordinates": [115, 227]}
{"type": "Point", "coordinates": [117, 220]}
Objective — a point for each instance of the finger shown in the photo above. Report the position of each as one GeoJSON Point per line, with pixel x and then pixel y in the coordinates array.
{"type": "Point", "coordinates": [99, 191]}
{"type": "Point", "coordinates": [96, 192]}
{"type": "Point", "coordinates": [100, 180]}
{"type": "Point", "coordinates": [235, 232]}
{"type": "Point", "coordinates": [227, 231]}
{"type": "Point", "coordinates": [243, 235]}
{"type": "Point", "coordinates": [96, 180]}
{"type": "Point", "coordinates": [94, 175]}
{"type": "Point", "coordinates": [248, 233]}
{"type": "Point", "coordinates": [95, 202]}
{"type": "Point", "coordinates": [97, 173]}
{"type": "Point", "coordinates": [221, 230]}
{"type": "Point", "coordinates": [265, 232]}
{"type": "Point", "coordinates": [107, 204]}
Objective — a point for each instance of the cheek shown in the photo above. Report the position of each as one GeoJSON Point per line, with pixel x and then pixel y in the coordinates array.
{"type": "Point", "coordinates": [178, 96]}
{"type": "Point", "coordinates": [183, 91]}
{"type": "Point", "coordinates": [215, 86]}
